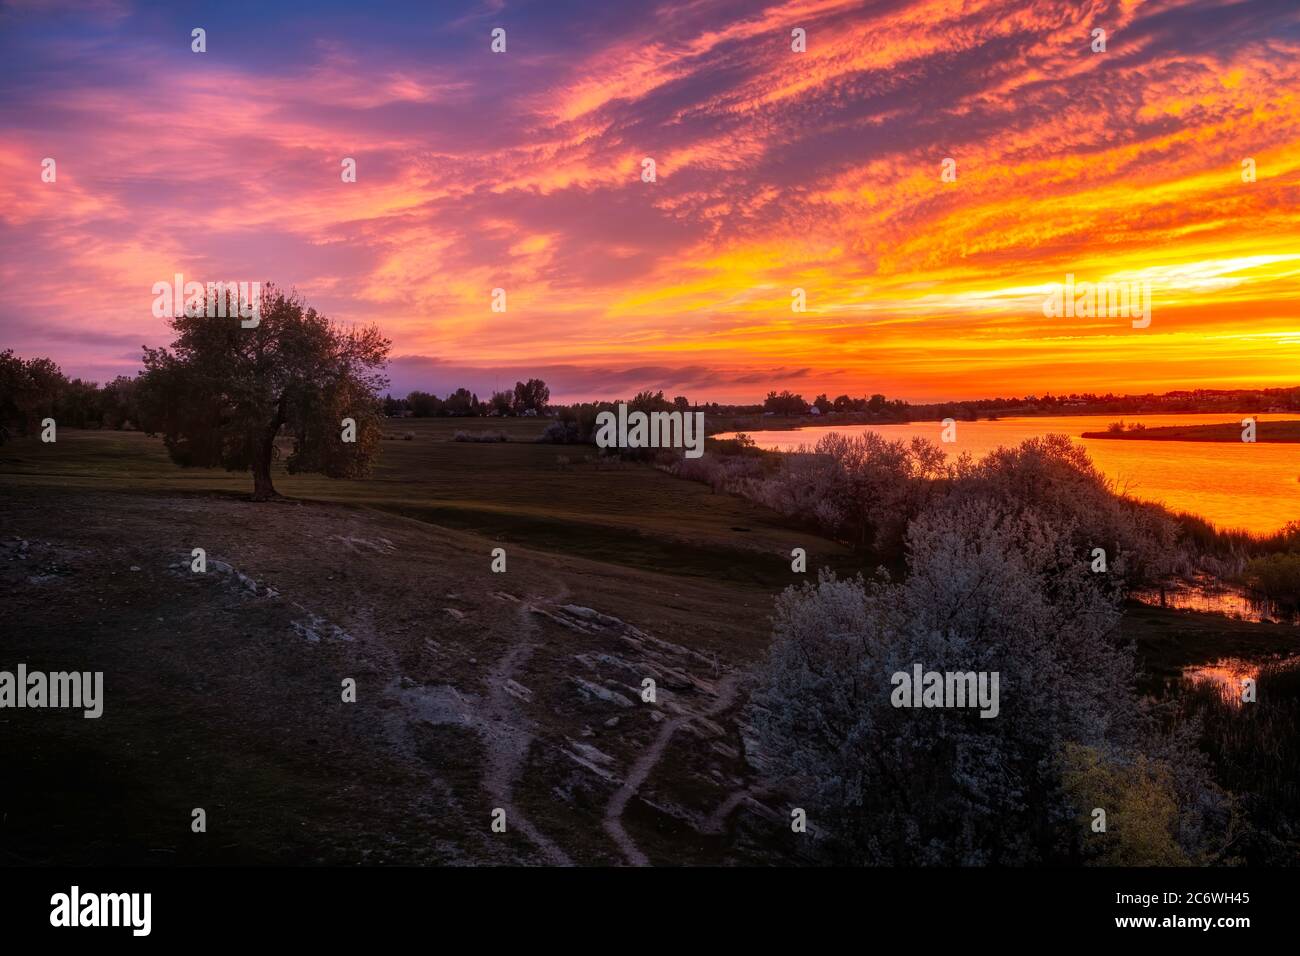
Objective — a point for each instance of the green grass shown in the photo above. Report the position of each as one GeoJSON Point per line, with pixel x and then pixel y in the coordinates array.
{"type": "Point", "coordinates": [519, 491]}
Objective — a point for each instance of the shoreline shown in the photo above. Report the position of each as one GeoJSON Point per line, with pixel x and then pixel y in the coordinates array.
{"type": "Point", "coordinates": [725, 424]}
{"type": "Point", "coordinates": [1274, 433]}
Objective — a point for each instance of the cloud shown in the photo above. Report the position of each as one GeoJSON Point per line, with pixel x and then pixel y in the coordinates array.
{"type": "Point", "coordinates": [776, 171]}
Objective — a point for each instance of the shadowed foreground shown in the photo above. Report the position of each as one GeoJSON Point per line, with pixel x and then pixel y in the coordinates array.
{"type": "Point", "coordinates": [475, 691]}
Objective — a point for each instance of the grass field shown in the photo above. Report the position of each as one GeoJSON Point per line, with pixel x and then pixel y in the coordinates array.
{"type": "Point", "coordinates": [516, 491]}
{"type": "Point", "coordinates": [1280, 432]}
{"type": "Point", "coordinates": [476, 690]}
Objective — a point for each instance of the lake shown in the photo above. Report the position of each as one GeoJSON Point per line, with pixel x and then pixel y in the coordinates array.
{"type": "Point", "coordinates": [1253, 486]}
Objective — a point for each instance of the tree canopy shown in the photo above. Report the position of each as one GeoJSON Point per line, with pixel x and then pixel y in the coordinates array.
{"type": "Point", "coordinates": [222, 394]}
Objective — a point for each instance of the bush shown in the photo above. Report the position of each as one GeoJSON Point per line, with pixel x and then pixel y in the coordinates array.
{"type": "Point", "coordinates": [742, 444]}
{"type": "Point", "coordinates": [1277, 575]}
{"type": "Point", "coordinates": [719, 473]}
{"type": "Point", "coordinates": [562, 433]}
{"type": "Point", "coordinates": [990, 589]}
{"type": "Point", "coordinates": [862, 489]}
{"type": "Point", "coordinates": [1055, 477]}
{"type": "Point", "coordinates": [1140, 803]}
{"type": "Point", "coordinates": [865, 490]}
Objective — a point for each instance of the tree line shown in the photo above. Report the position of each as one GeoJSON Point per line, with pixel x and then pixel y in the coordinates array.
{"type": "Point", "coordinates": [528, 398]}
{"type": "Point", "coordinates": [35, 389]}
{"type": "Point", "coordinates": [792, 403]}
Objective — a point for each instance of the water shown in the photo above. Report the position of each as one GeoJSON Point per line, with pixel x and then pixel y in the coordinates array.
{"type": "Point", "coordinates": [1251, 486]}
{"type": "Point", "coordinates": [1226, 674]}
{"type": "Point", "coordinates": [1211, 596]}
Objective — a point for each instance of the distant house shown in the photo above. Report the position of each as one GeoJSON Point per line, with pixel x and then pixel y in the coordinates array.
{"type": "Point", "coordinates": [814, 410]}
{"type": "Point", "coordinates": [530, 413]}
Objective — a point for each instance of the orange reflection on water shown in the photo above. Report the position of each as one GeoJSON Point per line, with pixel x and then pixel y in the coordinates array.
{"type": "Point", "coordinates": [1207, 595]}
{"type": "Point", "coordinates": [1226, 675]}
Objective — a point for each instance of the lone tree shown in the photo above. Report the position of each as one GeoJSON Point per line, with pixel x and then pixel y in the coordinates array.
{"type": "Point", "coordinates": [223, 393]}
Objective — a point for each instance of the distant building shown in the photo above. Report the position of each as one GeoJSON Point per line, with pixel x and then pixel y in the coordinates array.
{"type": "Point", "coordinates": [814, 410]}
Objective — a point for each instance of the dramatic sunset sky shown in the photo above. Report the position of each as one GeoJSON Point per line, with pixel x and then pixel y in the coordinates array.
{"type": "Point", "coordinates": [776, 170]}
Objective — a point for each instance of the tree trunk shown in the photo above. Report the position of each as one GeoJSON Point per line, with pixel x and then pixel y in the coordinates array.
{"type": "Point", "coordinates": [262, 456]}
{"type": "Point", "coordinates": [262, 487]}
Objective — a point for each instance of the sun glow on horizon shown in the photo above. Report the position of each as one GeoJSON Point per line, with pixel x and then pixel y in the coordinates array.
{"type": "Point", "coordinates": [776, 171]}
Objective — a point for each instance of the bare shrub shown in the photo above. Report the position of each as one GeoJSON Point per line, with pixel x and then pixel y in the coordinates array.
{"type": "Point", "coordinates": [1055, 478]}
{"type": "Point", "coordinates": [719, 473]}
{"type": "Point", "coordinates": [484, 436]}
{"type": "Point", "coordinates": [863, 489]}
{"type": "Point", "coordinates": [562, 432]}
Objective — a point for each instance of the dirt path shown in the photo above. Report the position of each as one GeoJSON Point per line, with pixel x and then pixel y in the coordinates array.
{"type": "Point", "coordinates": [507, 735]}
{"type": "Point", "coordinates": [717, 821]}
{"type": "Point", "coordinates": [613, 822]}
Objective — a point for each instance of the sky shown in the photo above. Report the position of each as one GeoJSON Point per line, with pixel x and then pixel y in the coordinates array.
{"type": "Point", "coordinates": [774, 170]}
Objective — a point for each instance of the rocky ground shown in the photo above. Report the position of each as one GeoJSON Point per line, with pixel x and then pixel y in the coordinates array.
{"type": "Point", "coordinates": [476, 691]}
